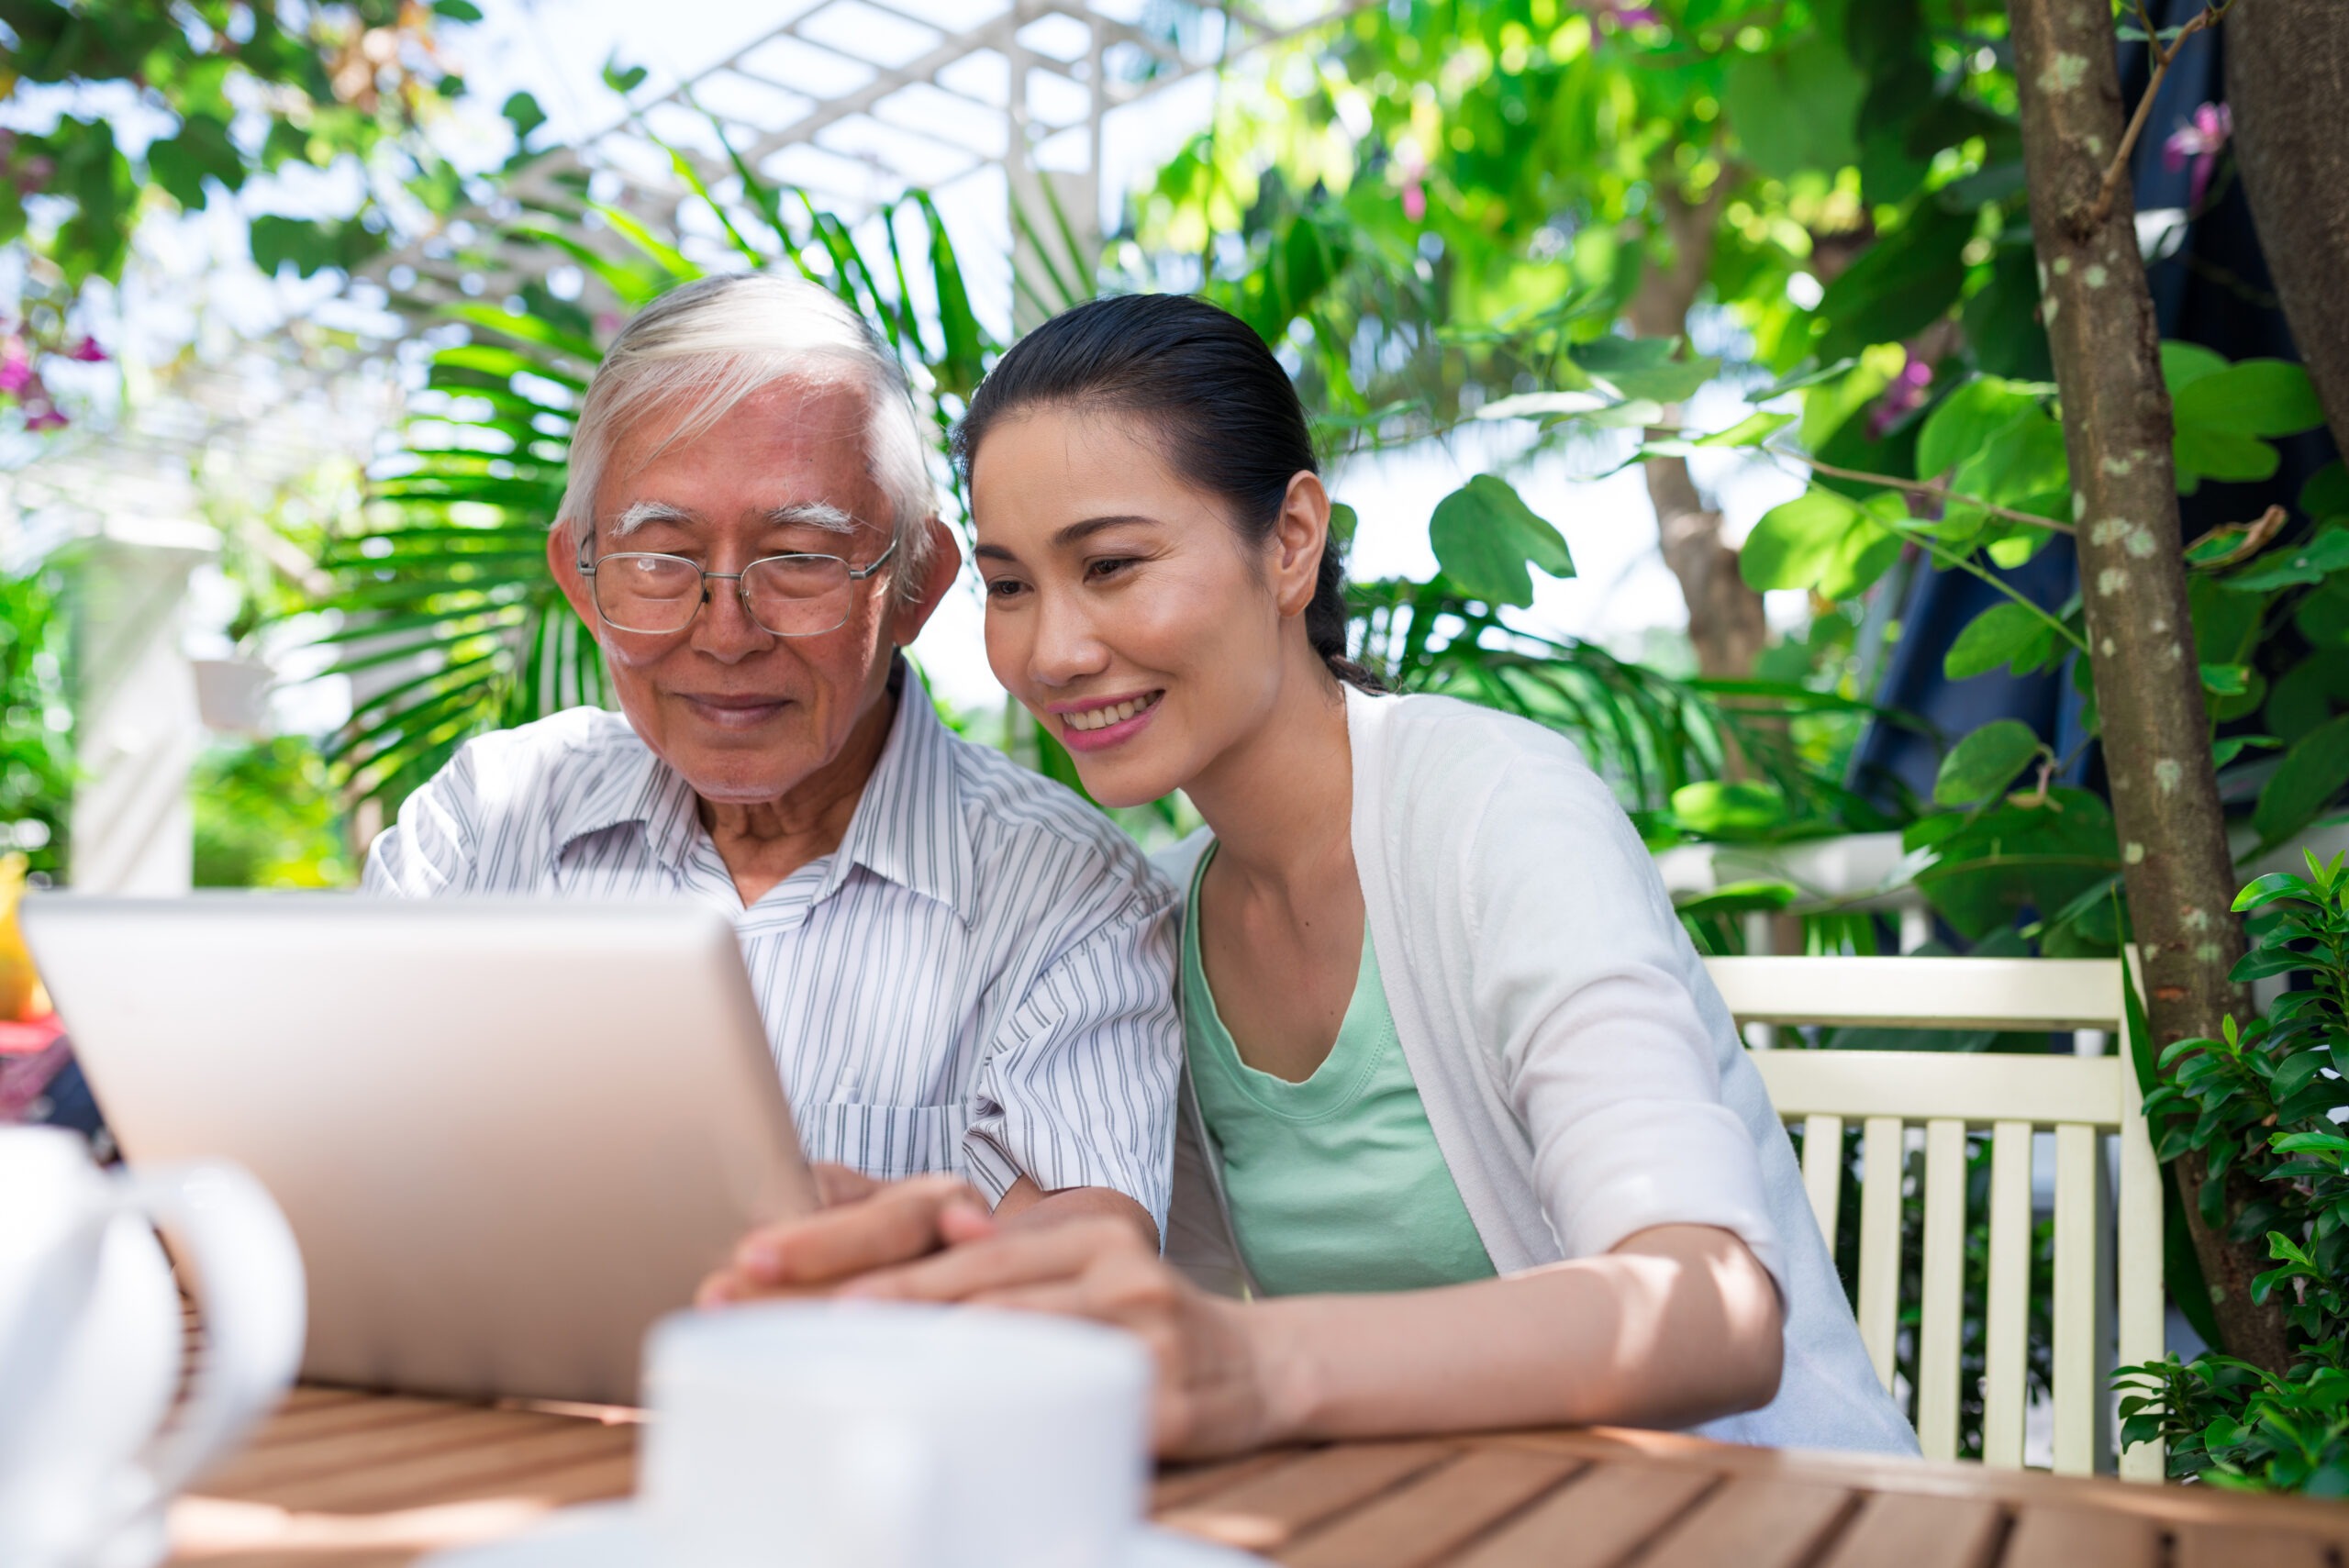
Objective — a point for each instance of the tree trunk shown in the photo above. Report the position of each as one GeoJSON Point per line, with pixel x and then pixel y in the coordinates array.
{"type": "Point", "coordinates": [2180, 877]}
{"type": "Point", "coordinates": [2287, 77]}
{"type": "Point", "coordinates": [1725, 619]}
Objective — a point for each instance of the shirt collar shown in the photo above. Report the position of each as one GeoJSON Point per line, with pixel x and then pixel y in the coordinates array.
{"type": "Point", "coordinates": [907, 826]}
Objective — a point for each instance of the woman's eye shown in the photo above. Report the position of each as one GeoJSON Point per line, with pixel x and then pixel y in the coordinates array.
{"type": "Point", "coordinates": [1004, 587]}
{"type": "Point", "coordinates": [1106, 567]}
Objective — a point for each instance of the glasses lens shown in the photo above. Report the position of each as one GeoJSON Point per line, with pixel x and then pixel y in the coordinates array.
{"type": "Point", "coordinates": [797, 595]}
{"type": "Point", "coordinates": [648, 593]}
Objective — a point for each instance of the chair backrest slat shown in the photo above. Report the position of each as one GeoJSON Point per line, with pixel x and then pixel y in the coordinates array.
{"type": "Point", "coordinates": [1823, 1168]}
{"type": "Point", "coordinates": [2006, 1350]}
{"type": "Point", "coordinates": [2075, 1305]}
{"type": "Point", "coordinates": [1940, 1314]}
{"type": "Point", "coordinates": [1923, 993]}
{"type": "Point", "coordinates": [2083, 1099]}
{"type": "Point", "coordinates": [1879, 1303]}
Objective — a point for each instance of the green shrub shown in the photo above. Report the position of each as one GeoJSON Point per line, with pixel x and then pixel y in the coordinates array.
{"type": "Point", "coordinates": [2269, 1101]}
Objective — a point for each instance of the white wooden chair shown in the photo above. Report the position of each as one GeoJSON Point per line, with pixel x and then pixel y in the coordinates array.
{"type": "Point", "coordinates": [2081, 1097]}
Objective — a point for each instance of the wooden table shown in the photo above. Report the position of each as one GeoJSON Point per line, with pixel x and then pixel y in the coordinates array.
{"type": "Point", "coordinates": [342, 1480]}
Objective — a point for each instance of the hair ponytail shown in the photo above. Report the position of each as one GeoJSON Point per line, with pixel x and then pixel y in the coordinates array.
{"type": "Point", "coordinates": [1225, 413]}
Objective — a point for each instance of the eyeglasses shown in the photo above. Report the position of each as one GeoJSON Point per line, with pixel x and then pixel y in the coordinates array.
{"type": "Point", "coordinates": [785, 595]}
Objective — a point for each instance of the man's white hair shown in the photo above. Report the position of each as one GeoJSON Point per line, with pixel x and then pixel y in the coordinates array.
{"type": "Point", "coordinates": [697, 351]}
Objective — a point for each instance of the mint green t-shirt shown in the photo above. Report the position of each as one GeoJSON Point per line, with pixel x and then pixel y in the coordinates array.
{"type": "Point", "coordinates": [1334, 1183]}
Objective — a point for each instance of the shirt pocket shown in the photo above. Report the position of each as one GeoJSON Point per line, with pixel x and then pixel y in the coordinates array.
{"type": "Point", "coordinates": [887, 1141]}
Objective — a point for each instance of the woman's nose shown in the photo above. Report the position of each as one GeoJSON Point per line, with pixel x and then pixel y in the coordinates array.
{"type": "Point", "coordinates": [1068, 645]}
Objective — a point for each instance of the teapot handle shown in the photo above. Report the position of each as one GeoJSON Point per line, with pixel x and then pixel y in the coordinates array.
{"type": "Point", "coordinates": [255, 1307]}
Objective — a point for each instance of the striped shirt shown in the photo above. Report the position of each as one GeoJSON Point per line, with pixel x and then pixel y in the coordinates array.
{"type": "Point", "coordinates": [979, 979]}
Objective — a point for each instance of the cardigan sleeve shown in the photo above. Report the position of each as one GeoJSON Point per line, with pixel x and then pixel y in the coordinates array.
{"type": "Point", "coordinates": [1582, 975]}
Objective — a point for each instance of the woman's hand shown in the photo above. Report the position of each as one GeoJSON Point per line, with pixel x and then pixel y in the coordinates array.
{"type": "Point", "coordinates": [864, 1224]}
{"type": "Point", "coordinates": [1215, 1393]}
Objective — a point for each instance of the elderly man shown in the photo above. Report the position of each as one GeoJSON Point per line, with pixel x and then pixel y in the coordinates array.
{"type": "Point", "coordinates": [963, 968]}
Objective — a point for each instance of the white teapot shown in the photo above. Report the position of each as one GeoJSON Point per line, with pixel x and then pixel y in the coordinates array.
{"type": "Point", "coordinates": [90, 1334]}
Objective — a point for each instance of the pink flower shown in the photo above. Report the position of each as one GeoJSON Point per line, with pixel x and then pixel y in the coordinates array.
{"type": "Point", "coordinates": [87, 352]}
{"type": "Point", "coordinates": [2201, 141]}
{"type": "Point", "coordinates": [42, 414]}
{"type": "Point", "coordinates": [15, 365]}
{"type": "Point", "coordinates": [1415, 201]}
{"type": "Point", "coordinates": [1907, 391]}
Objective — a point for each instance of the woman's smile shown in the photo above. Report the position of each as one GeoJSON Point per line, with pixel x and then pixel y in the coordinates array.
{"type": "Point", "coordinates": [1093, 725]}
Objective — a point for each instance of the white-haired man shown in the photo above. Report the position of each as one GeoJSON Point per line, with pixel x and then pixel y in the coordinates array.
{"type": "Point", "coordinates": [962, 969]}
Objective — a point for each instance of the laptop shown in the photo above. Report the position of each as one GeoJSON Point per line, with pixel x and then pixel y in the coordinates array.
{"type": "Point", "coordinates": [508, 1134]}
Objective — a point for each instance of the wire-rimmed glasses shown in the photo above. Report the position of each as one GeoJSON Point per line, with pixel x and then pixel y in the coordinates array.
{"type": "Point", "coordinates": [785, 595]}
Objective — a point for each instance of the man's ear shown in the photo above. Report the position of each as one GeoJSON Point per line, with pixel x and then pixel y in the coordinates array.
{"type": "Point", "coordinates": [562, 560]}
{"type": "Point", "coordinates": [1300, 535]}
{"type": "Point", "coordinates": [907, 618]}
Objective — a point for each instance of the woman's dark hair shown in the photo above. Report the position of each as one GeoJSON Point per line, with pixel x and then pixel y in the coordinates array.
{"type": "Point", "coordinates": [1222, 410]}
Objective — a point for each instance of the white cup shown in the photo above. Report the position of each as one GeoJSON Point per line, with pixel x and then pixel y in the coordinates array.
{"type": "Point", "coordinates": [91, 1336]}
{"type": "Point", "coordinates": [864, 1435]}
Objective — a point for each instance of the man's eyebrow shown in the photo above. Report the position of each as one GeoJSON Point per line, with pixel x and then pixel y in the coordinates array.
{"type": "Point", "coordinates": [643, 512]}
{"type": "Point", "coordinates": [811, 514]}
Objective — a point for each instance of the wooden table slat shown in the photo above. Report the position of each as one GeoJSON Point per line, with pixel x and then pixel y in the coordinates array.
{"type": "Point", "coordinates": [2222, 1546]}
{"type": "Point", "coordinates": [1755, 1524]}
{"type": "Point", "coordinates": [427, 1478]}
{"type": "Point", "coordinates": [308, 1423]}
{"type": "Point", "coordinates": [1895, 1529]}
{"type": "Point", "coordinates": [1266, 1513]}
{"type": "Point", "coordinates": [2076, 1537]}
{"type": "Point", "coordinates": [1196, 1483]}
{"type": "Point", "coordinates": [1596, 1521]}
{"type": "Point", "coordinates": [459, 1427]}
{"type": "Point", "coordinates": [1430, 1516]}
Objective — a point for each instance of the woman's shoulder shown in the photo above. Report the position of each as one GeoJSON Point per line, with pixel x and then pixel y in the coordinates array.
{"type": "Point", "coordinates": [1439, 752]}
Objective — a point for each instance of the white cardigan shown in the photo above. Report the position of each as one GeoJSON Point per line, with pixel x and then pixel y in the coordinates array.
{"type": "Point", "coordinates": [1581, 1077]}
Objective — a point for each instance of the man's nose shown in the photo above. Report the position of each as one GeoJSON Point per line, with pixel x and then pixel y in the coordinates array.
{"type": "Point", "coordinates": [724, 629]}
{"type": "Point", "coordinates": [1068, 645]}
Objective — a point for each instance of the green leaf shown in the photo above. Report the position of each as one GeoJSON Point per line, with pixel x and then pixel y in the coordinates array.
{"type": "Point", "coordinates": [2006, 633]}
{"type": "Point", "coordinates": [2228, 750]}
{"type": "Point", "coordinates": [2250, 397]}
{"type": "Point", "coordinates": [1967, 420]}
{"type": "Point", "coordinates": [457, 10]}
{"type": "Point", "coordinates": [2202, 453]}
{"type": "Point", "coordinates": [1343, 520]}
{"type": "Point", "coordinates": [202, 148]}
{"type": "Point", "coordinates": [1793, 112]}
{"type": "Point", "coordinates": [1546, 405]}
{"type": "Point", "coordinates": [2184, 363]}
{"type": "Point", "coordinates": [1643, 367]}
{"type": "Point", "coordinates": [1485, 536]}
{"type": "Point", "coordinates": [1750, 431]}
{"type": "Point", "coordinates": [1898, 286]}
{"type": "Point", "coordinates": [2311, 560]}
{"type": "Point", "coordinates": [1726, 810]}
{"type": "Point", "coordinates": [1986, 761]}
{"type": "Point", "coordinates": [2326, 494]}
{"type": "Point", "coordinates": [1820, 539]}
{"type": "Point", "coordinates": [522, 111]}
{"type": "Point", "coordinates": [2018, 464]}
{"type": "Point", "coordinates": [2312, 773]}
{"type": "Point", "coordinates": [623, 79]}
{"type": "Point", "coordinates": [2226, 680]}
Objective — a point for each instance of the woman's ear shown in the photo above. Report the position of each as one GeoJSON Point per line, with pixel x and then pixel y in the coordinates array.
{"type": "Point", "coordinates": [1300, 535]}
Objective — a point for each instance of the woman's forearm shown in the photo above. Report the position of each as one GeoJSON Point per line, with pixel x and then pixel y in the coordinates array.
{"type": "Point", "coordinates": [1678, 1325]}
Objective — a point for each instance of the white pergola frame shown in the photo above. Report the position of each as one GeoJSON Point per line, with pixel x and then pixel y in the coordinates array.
{"type": "Point", "coordinates": [1099, 60]}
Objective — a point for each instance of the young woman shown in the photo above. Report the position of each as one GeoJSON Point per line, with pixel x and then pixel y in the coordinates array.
{"type": "Point", "coordinates": [1461, 1105]}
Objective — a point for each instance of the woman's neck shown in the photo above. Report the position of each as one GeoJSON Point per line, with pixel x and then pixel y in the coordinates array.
{"type": "Point", "coordinates": [1280, 801]}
